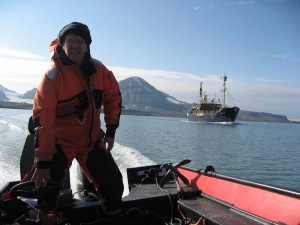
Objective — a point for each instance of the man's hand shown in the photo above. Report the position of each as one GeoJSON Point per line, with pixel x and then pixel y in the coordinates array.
{"type": "Point", "coordinates": [41, 176]}
{"type": "Point", "coordinates": [107, 144]}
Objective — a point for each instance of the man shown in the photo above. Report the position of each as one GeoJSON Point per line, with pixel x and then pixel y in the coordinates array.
{"type": "Point", "coordinates": [66, 115]}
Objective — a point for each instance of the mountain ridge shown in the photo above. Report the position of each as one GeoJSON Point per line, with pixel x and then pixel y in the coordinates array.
{"type": "Point", "coordinates": [139, 95]}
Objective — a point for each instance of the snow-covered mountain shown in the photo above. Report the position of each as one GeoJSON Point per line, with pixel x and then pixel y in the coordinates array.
{"type": "Point", "coordinates": [12, 96]}
{"type": "Point", "coordinates": [17, 97]}
{"type": "Point", "coordinates": [137, 94]}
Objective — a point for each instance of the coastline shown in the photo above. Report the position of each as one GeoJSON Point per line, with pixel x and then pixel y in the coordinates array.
{"type": "Point", "coordinates": [28, 106]}
{"type": "Point", "coordinates": [15, 105]}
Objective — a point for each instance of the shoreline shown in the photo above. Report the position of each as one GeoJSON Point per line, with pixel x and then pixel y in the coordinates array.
{"type": "Point", "coordinates": [28, 106]}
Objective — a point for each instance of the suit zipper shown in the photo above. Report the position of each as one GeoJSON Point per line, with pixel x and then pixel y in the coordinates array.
{"type": "Point", "coordinates": [92, 105]}
{"type": "Point", "coordinates": [90, 90]}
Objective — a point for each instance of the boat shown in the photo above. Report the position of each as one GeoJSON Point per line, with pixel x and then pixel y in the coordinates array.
{"type": "Point", "coordinates": [213, 111]}
{"type": "Point", "coordinates": [159, 194]}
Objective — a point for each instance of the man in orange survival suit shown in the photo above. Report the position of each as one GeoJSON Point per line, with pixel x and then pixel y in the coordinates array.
{"type": "Point", "coordinates": [66, 114]}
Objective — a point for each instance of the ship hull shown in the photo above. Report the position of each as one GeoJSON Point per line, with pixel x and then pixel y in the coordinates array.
{"type": "Point", "coordinates": [225, 115]}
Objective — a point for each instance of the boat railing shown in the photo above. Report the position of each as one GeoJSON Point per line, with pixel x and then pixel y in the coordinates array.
{"type": "Point", "coordinates": [212, 173]}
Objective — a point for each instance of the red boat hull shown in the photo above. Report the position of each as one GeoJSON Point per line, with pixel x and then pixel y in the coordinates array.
{"type": "Point", "coordinates": [266, 202]}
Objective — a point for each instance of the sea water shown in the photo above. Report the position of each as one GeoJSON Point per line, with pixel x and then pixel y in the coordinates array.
{"type": "Point", "coordinates": [268, 153]}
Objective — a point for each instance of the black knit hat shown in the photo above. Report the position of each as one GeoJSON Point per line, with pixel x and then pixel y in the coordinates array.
{"type": "Point", "coordinates": [75, 28]}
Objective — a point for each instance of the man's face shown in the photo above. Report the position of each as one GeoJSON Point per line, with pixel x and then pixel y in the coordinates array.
{"type": "Point", "coordinates": [75, 48]}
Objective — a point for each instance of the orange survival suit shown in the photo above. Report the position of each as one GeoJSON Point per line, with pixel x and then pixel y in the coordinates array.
{"type": "Point", "coordinates": [66, 109]}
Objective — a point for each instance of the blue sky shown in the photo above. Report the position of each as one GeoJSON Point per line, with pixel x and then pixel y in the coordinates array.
{"type": "Point", "coordinates": [172, 44]}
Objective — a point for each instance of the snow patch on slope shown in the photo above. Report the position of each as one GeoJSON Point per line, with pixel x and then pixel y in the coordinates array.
{"type": "Point", "coordinates": [138, 80]}
{"type": "Point", "coordinates": [174, 101]}
{"type": "Point", "coordinates": [15, 97]}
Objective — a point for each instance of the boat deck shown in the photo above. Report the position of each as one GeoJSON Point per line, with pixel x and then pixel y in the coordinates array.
{"type": "Point", "coordinates": [149, 198]}
{"type": "Point", "coordinates": [216, 213]}
{"type": "Point", "coordinates": [195, 205]}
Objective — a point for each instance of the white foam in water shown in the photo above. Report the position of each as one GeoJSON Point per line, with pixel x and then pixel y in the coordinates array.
{"type": "Point", "coordinates": [9, 152]}
{"type": "Point", "coordinates": [10, 126]}
{"type": "Point", "coordinates": [125, 157]}
{"type": "Point", "coordinates": [8, 174]}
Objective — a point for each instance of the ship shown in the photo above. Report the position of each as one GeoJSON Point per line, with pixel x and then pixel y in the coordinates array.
{"type": "Point", "coordinates": [213, 111]}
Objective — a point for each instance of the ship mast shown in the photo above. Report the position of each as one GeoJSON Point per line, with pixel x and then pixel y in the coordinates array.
{"type": "Point", "coordinates": [200, 97]}
{"type": "Point", "coordinates": [224, 90]}
{"type": "Point", "coordinates": [200, 89]}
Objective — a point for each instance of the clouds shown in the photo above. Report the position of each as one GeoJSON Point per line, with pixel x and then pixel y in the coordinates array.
{"type": "Point", "coordinates": [278, 97]}
{"type": "Point", "coordinates": [259, 94]}
{"type": "Point", "coordinates": [246, 2]}
{"type": "Point", "coordinates": [21, 71]}
{"type": "Point", "coordinates": [8, 52]}
{"type": "Point", "coordinates": [281, 56]}
{"type": "Point", "coordinates": [251, 2]}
